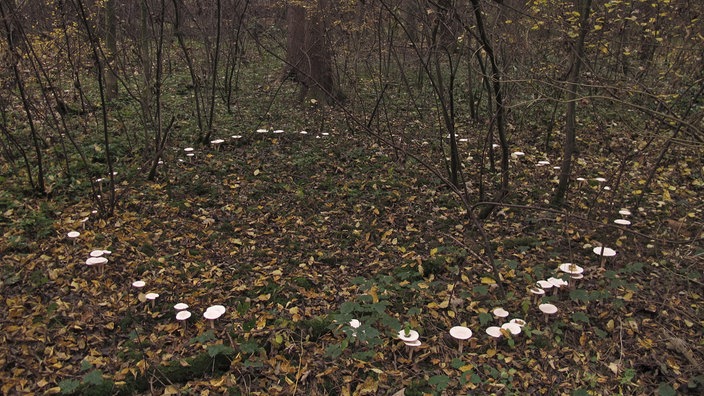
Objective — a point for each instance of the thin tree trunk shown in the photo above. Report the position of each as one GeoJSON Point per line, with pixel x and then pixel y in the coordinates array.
{"type": "Point", "coordinates": [570, 145]}
{"type": "Point", "coordinates": [111, 46]}
{"type": "Point", "coordinates": [499, 101]}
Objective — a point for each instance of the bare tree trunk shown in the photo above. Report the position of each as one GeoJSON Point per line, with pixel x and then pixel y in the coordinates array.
{"type": "Point", "coordinates": [111, 46]}
{"type": "Point", "coordinates": [498, 98]}
{"type": "Point", "coordinates": [308, 52]}
{"type": "Point", "coordinates": [570, 145]}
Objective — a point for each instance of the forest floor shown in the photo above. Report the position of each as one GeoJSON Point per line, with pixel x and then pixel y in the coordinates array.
{"type": "Point", "coordinates": [298, 234]}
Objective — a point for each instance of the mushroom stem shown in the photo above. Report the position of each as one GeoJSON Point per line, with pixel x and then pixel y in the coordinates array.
{"type": "Point", "coordinates": [461, 342]}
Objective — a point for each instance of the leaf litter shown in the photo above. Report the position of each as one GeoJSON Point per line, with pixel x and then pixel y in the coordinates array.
{"type": "Point", "coordinates": [284, 232]}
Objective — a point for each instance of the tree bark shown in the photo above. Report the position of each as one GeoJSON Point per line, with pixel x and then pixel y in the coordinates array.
{"type": "Point", "coordinates": [111, 46]}
{"type": "Point", "coordinates": [570, 145]}
{"type": "Point", "coordinates": [308, 52]}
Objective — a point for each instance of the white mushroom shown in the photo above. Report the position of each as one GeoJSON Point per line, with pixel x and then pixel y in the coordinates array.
{"type": "Point", "coordinates": [544, 284]}
{"type": "Point", "coordinates": [547, 309]}
{"type": "Point", "coordinates": [460, 333]}
{"type": "Point", "coordinates": [212, 313]}
{"type": "Point", "coordinates": [181, 307]}
{"type": "Point", "coordinates": [519, 322]}
{"type": "Point", "coordinates": [216, 143]}
{"type": "Point", "coordinates": [354, 324]}
{"type": "Point", "coordinates": [537, 292]}
{"type": "Point", "coordinates": [408, 336]}
{"type": "Point", "coordinates": [500, 312]}
{"type": "Point", "coordinates": [152, 297]}
{"type": "Point", "coordinates": [494, 332]}
{"type": "Point", "coordinates": [182, 316]}
{"type": "Point", "coordinates": [512, 328]}
{"type": "Point", "coordinates": [604, 252]}
{"type": "Point", "coordinates": [138, 284]}
{"type": "Point", "coordinates": [569, 268]}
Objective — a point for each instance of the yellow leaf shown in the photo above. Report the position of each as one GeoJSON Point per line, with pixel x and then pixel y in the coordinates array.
{"type": "Point", "coordinates": [628, 296]}
{"type": "Point", "coordinates": [257, 172]}
{"type": "Point", "coordinates": [264, 297]}
{"type": "Point", "coordinates": [488, 281]}
{"type": "Point", "coordinates": [444, 304]}
{"type": "Point", "coordinates": [433, 252]}
{"type": "Point", "coordinates": [613, 366]}
{"type": "Point", "coordinates": [372, 292]}
{"type": "Point", "coordinates": [261, 322]}
{"type": "Point", "coordinates": [170, 390]}
{"type": "Point", "coordinates": [451, 314]}
{"type": "Point", "coordinates": [666, 196]}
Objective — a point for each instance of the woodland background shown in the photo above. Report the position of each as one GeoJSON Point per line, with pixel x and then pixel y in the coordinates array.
{"type": "Point", "coordinates": [410, 164]}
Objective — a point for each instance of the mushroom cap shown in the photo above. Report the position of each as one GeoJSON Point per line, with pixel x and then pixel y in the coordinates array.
{"type": "Point", "coordinates": [412, 336]}
{"type": "Point", "coordinates": [139, 284]}
{"type": "Point", "coordinates": [212, 314]}
{"type": "Point", "coordinates": [600, 179]}
{"type": "Point", "coordinates": [513, 328]}
{"type": "Point", "coordinates": [622, 222]}
{"type": "Point", "coordinates": [500, 312]}
{"type": "Point", "coordinates": [355, 323]}
{"type": "Point", "coordinates": [494, 331]}
{"type": "Point", "coordinates": [544, 284]}
{"type": "Point", "coordinates": [217, 308]}
{"type": "Point", "coordinates": [151, 296]}
{"type": "Point", "coordinates": [547, 308]}
{"type": "Point", "coordinates": [604, 251]}
{"type": "Point", "coordinates": [461, 332]}
{"type": "Point", "coordinates": [96, 260]}
{"type": "Point", "coordinates": [577, 276]}
{"type": "Point", "coordinates": [188, 149]}
{"type": "Point", "coordinates": [183, 315]}
{"type": "Point", "coordinates": [181, 306]}
{"type": "Point", "coordinates": [624, 212]}
{"type": "Point", "coordinates": [557, 282]}
{"type": "Point", "coordinates": [415, 343]}
{"type": "Point", "coordinates": [278, 131]}
{"type": "Point", "coordinates": [537, 290]}
{"type": "Point", "coordinates": [73, 234]}
{"type": "Point", "coordinates": [236, 136]}
{"type": "Point", "coordinates": [581, 179]}
{"type": "Point", "coordinates": [543, 163]}
{"type": "Point", "coordinates": [262, 130]}
{"type": "Point", "coordinates": [96, 253]}
{"type": "Point", "coordinates": [569, 268]}
{"type": "Point", "coordinates": [519, 322]}
{"type": "Point", "coordinates": [217, 141]}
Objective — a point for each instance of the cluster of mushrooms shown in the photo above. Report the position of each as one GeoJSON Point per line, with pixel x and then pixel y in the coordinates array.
{"type": "Point", "coordinates": [182, 313]}
{"type": "Point", "coordinates": [512, 327]}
